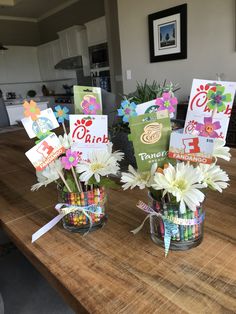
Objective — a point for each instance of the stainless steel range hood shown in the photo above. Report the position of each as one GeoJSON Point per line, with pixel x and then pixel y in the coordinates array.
{"type": "Point", "coordinates": [73, 63]}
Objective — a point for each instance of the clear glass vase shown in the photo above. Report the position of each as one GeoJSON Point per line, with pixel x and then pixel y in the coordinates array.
{"type": "Point", "coordinates": [187, 236]}
{"type": "Point", "coordinates": [90, 214]}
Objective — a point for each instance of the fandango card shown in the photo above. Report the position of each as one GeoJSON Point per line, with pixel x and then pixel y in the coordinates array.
{"type": "Point", "coordinates": [46, 121]}
{"type": "Point", "coordinates": [46, 151]}
{"type": "Point", "coordinates": [88, 133]}
{"type": "Point", "coordinates": [191, 148]}
{"type": "Point", "coordinates": [209, 109]}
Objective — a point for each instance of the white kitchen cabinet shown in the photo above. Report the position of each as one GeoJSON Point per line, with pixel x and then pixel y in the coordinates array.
{"type": "Point", "coordinates": [16, 111]}
{"type": "Point", "coordinates": [49, 55]}
{"type": "Point", "coordinates": [96, 31]}
{"type": "Point", "coordinates": [45, 56]}
{"type": "Point", "coordinates": [71, 43]}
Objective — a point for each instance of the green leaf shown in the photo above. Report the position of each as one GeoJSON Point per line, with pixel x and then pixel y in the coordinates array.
{"type": "Point", "coordinates": [71, 183]}
{"type": "Point", "coordinates": [104, 181]}
{"type": "Point", "coordinates": [108, 183]}
{"type": "Point", "coordinates": [227, 97]}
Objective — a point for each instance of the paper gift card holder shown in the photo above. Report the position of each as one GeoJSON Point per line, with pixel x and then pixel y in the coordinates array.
{"type": "Point", "coordinates": [46, 121]}
{"type": "Point", "coordinates": [88, 133]}
{"type": "Point", "coordinates": [150, 134]}
{"type": "Point", "coordinates": [88, 100]}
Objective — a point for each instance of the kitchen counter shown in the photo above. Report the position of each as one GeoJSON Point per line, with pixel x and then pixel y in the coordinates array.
{"type": "Point", "coordinates": [15, 109]}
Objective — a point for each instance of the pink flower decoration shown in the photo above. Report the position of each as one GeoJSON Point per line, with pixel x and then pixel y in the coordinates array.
{"type": "Point", "coordinates": [166, 102]}
{"type": "Point", "coordinates": [90, 105]}
{"type": "Point", "coordinates": [208, 128]}
{"type": "Point", "coordinates": [70, 160]}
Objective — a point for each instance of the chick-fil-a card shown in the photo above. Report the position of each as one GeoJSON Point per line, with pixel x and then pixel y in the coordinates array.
{"type": "Point", "coordinates": [209, 108]}
{"type": "Point", "coordinates": [46, 151]}
{"type": "Point", "coordinates": [46, 121]}
{"type": "Point", "coordinates": [88, 133]}
{"type": "Point", "coordinates": [191, 147]}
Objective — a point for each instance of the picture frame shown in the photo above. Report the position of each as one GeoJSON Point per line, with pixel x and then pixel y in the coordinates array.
{"type": "Point", "coordinates": [168, 34]}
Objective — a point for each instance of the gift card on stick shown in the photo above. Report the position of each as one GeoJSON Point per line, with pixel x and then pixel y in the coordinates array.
{"type": "Point", "coordinates": [88, 133]}
{"type": "Point", "coordinates": [42, 154]}
{"type": "Point", "coordinates": [191, 148]}
{"type": "Point", "coordinates": [45, 121]}
{"type": "Point", "coordinates": [209, 109]}
{"type": "Point", "coordinates": [88, 100]}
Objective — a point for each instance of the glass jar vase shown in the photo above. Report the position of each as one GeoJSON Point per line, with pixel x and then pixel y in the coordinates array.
{"type": "Point", "coordinates": [87, 210]}
{"type": "Point", "coordinates": [189, 226]}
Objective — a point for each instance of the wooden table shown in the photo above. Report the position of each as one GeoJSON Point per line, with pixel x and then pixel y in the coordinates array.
{"type": "Point", "coordinates": [111, 270]}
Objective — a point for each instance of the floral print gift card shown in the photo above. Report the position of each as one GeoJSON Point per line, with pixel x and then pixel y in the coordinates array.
{"type": "Point", "coordinates": [209, 109]}
{"type": "Point", "coordinates": [88, 100]}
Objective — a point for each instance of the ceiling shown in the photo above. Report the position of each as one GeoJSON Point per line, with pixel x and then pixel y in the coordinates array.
{"type": "Point", "coordinates": [35, 9]}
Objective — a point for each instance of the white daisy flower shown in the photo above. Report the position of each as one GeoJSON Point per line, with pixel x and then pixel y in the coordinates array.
{"type": "Point", "coordinates": [48, 175]}
{"type": "Point", "coordinates": [220, 150]}
{"type": "Point", "coordinates": [214, 177]}
{"type": "Point", "coordinates": [183, 182]}
{"type": "Point", "coordinates": [66, 140]}
{"type": "Point", "coordinates": [99, 163]}
{"type": "Point", "coordinates": [116, 154]}
{"type": "Point", "coordinates": [135, 178]}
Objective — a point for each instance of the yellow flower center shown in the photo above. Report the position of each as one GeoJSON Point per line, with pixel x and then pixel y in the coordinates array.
{"type": "Point", "coordinates": [209, 128]}
{"type": "Point", "coordinates": [96, 167]}
{"type": "Point", "coordinates": [181, 184]}
{"type": "Point", "coordinates": [60, 113]}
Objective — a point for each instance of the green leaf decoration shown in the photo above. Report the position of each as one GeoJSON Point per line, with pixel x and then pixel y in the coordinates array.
{"type": "Point", "coordinates": [227, 97]}
{"type": "Point", "coordinates": [209, 93]}
{"type": "Point", "coordinates": [71, 184]}
{"type": "Point", "coordinates": [105, 182]}
{"type": "Point", "coordinates": [41, 136]}
{"type": "Point", "coordinates": [108, 183]}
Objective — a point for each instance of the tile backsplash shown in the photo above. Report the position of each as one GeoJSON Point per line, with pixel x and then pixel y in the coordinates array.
{"type": "Point", "coordinates": [21, 89]}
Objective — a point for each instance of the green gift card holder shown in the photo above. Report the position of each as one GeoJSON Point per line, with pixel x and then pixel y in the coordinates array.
{"type": "Point", "coordinates": [88, 100]}
{"type": "Point", "coordinates": [150, 134]}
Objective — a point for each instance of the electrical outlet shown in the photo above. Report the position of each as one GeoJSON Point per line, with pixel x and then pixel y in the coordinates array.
{"type": "Point", "coordinates": [128, 75]}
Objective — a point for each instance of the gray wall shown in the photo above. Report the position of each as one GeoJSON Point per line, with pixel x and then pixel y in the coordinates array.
{"type": "Point", "coordinates": [113, 38]}
{"type": "Point", "coordinates": [76, 14]}
{"type": "Point", "coordinates": [18, 33]}
{"type": "Point", "coordinates": [211, 43]}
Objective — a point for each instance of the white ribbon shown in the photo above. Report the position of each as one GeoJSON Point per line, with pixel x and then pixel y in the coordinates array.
{"type": "Point", "coordinates": [65, 209]}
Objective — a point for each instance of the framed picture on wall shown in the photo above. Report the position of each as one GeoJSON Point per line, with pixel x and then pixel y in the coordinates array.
{"type": "Point", "coordinates": [168, 34]}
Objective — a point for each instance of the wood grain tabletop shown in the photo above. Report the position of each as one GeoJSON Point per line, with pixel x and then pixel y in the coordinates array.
{"type": "Point", "coordinates": [111, 270]}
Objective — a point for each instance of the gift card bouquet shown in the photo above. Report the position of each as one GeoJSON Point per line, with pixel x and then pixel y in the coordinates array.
{"type": "Point", "coordinates": [81, 163]}
{"type": "Point", "coordinates": [177, 167]}
{"type": "Point", "coordinates": [147, 98]}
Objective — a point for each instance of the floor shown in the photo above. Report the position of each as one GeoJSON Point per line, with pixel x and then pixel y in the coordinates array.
{"type": "Point", "coordinates": [22, 289]}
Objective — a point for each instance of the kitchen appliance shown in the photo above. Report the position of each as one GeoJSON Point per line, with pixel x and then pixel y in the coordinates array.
{"type": "Point", "coordinates": [10, 95]}
{"type": "Point", "coordinates": [63, 99]}
{"type": "Point", "coordinates": [98, 56]}
{"type": "Point", "coordinates": [72, 63]}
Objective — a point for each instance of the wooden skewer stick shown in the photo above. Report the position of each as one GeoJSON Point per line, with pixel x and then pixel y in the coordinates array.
{"type": "Point", "coordinates": [64, 127]}
{"type": "Point", "coordinates": [214, 111]}
{"type": "Point", "coordinates": [78, 184]}
{"type": "Point", "coordinates": [64, 180]}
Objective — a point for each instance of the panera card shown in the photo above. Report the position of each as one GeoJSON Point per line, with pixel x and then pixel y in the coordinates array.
{"type": "Point", "coordinates": [191, 148]}
{"type": "Point", "coordinates": [88, 133]}
{"type": "Point", "coordinates": [46, 151]}
{"type": "Point", "coordinates": [150, 134]}
{"type": "Point", "coordinates": [46, 121]}
{"type": "Point", "coordinates": [209, 109]}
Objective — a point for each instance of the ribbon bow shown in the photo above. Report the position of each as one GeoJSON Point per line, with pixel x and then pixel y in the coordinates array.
{"type": "Point", "coordinates": [170, 229]}
{"type": "Point", "coordinates": [63, 210]}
